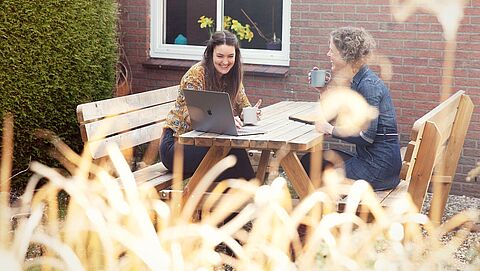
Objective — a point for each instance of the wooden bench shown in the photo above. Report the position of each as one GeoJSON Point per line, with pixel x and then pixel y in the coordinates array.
{"type": "Point", "coordinates": [432, 155]}
{"type": "Point", "coordinates": [129, 121]}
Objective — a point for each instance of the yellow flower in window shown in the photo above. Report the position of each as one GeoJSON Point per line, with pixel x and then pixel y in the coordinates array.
{"type": "Point", "coordinates": [248, 33]}
{"type": "Point", "coordinates": [236, 26]}
{"type": "Point", "coordinates": [208, 23]}
{"type": "Point", "coordinates": [205, 22]}
{"type": "Point", "coordinates": [227, 22]}
{"type": "Point", "coordinates": [242, 32]}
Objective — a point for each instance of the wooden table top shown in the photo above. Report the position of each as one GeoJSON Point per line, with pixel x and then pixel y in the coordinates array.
{"type": "Point", "coordinates": [280, 131]}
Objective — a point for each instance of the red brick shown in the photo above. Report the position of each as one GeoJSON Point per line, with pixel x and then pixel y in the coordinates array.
{"type": "Point", "coordinates": [376, 2]}
{"type": "Point", "coordinates": [429, 53]}
{"type": "Point", "coordinates": [428, 71]}
{"type": "Point", "coordinates": [322, 8]}
{"type": "Point", "coordinates": [472, 11]}
{"type": "Point", "coordinates": [426, 18]}
{"type": "Point", "coordinates": [354, 17]}
{"type": "Point", "coordinates": [301, 8]}
{"type": "Point", "coordinates": [356, 2]}
{"type": "Point", "coordinates": [342, 9]}
{"type": "Point", "coordinates": [332, 16]}
{"type": "Point", "coordinates": [367, 9]}
{"type": "Point", "coordinates": [386, 17]}
{"type": "Point", "coordinates": [418, 44]}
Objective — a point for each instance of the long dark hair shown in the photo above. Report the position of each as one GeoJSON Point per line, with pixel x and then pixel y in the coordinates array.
{"type": "Point", "coordinates": [234, 77]}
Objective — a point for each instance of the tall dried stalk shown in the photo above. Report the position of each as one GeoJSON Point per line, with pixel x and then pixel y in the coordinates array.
{"type": "Point", "coordinates": [117, 225]}
{"type": "Point", "coordinates": [6, 169]}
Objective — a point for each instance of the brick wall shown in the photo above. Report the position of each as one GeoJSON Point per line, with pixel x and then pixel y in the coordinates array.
{"type": "Point", "coordinates": [414, 47]}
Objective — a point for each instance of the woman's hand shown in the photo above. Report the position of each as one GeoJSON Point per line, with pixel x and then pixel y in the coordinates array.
{"type": "Point", "coordinates": [323, 126]}
{"type": "Point", "coordinates": [238, 122]}
{"type": "Point", "coordinates": [259, 111]}
{"type": "Point", "coordinates": [328, 77]}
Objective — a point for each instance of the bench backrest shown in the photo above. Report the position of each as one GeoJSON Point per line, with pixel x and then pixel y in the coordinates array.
{"type": "Point", "coordinates": [128, 121]}
{"type": "Point", "coordinates": [434, 149]}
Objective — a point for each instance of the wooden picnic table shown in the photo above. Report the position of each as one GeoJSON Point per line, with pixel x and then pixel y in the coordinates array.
{"type": "Point", "coordinates": [281, 134]}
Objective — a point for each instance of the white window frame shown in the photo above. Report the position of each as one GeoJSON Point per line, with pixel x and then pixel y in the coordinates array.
{"type": "Point", "coordinates": [191, 52]}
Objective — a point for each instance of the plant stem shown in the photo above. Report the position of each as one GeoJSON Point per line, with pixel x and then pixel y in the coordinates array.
{"type": "Point", "coordinates": [255, 25]}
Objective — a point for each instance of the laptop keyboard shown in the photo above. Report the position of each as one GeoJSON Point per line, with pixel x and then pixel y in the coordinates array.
{"type": "Point", "coordinates": [244, 130]}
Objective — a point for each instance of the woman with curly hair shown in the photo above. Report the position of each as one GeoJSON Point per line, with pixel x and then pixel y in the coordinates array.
{"type": "Point", "coordinates": [377, 158]}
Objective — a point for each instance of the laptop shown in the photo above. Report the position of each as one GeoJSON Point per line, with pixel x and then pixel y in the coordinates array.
{"type": "Point", "coordinates": [211, 111]}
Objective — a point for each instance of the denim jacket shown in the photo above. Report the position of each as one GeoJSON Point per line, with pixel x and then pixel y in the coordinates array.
{"type": "Point", "coordinates": [378, 159]}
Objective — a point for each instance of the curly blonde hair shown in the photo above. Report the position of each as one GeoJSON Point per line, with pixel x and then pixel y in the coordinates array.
{"type": "Point", "coordinates": [354, 44]}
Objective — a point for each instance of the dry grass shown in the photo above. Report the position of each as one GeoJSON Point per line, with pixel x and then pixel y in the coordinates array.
{"type": "Point", "coordinates": [111, 225]}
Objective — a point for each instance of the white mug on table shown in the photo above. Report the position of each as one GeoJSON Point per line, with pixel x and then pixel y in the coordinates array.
{"type": "Point", "coordinates": [250, 115]}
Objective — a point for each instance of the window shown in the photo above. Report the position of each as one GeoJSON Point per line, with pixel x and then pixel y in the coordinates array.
{"type": "Point", "coordinates": [176, 32]}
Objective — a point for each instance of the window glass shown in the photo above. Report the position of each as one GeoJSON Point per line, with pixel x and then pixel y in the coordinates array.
{"type": "Point", "coordinates": [264, 18]}
{"type": "Point", "coordinates": [182, 19]}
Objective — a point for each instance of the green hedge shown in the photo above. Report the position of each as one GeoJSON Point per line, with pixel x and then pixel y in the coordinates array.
{"type": "Point", "coordinates": [54, 55]}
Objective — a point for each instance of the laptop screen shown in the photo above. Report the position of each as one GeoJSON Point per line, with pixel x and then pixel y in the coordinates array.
{"type": "Point", "coordinates": [211, 111]}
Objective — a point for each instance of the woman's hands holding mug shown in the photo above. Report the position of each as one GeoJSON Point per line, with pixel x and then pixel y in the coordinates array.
{"type": "Point", "coordinates": [251, 114]}
{"type": "Point", "coordinates": [318, 78]}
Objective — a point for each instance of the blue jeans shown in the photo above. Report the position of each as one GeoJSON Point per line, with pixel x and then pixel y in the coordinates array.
{"type": "Point", "coordinates": [382, 174]}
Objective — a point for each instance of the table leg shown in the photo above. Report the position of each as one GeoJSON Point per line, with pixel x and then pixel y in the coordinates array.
{"type": "Point", "coordinates": [297, 175]}
{"type": "Point", "coordinates": [262, 165]}
{"type": "Point", "coordinates": [213, 156]}
{"type": "Point", "coordinates": [316, 167]}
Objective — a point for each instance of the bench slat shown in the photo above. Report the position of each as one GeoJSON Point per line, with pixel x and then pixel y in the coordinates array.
{"type": "Point", "coordinates": [155, 175]}
{"type": "Point", "coordinates": [422, 168]}
{"type": "Point", "coordinates": [409, 151]}
{"type": "Point", "coordinates": [407, 157]}
{"type": "Point", "coordinates": [109, 107]}
{"type": "Point", "coordinates": [442, 115]}
{"type": "Point", "coordinates": [124, 122]}
{"type": "Point", "coordinates": [394, 194]}
{"type": "Point", "coordinates": [126, 140]}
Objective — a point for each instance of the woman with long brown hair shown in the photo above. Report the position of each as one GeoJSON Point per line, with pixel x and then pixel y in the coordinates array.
{"type": "Point", "coordinates": [220, 70]}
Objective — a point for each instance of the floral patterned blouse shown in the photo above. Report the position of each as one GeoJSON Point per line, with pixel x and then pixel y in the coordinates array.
{"type": "Point", "coordinates": [178, 118]}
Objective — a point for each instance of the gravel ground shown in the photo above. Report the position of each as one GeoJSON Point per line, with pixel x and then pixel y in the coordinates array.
{"type": "Point", "coordinates": [470, 249]}
{"type": "Point", "coordinates": [455, 205]}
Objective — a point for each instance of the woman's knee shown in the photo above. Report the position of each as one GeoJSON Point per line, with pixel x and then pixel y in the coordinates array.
{"type": "Point", "coordinates": [243, 167]}
{"type": "Point", "coordinates": [241, 155]}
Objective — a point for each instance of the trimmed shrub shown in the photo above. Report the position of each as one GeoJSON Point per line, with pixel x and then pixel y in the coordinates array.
{"type": "Point", "coordinates": [54, 55]}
